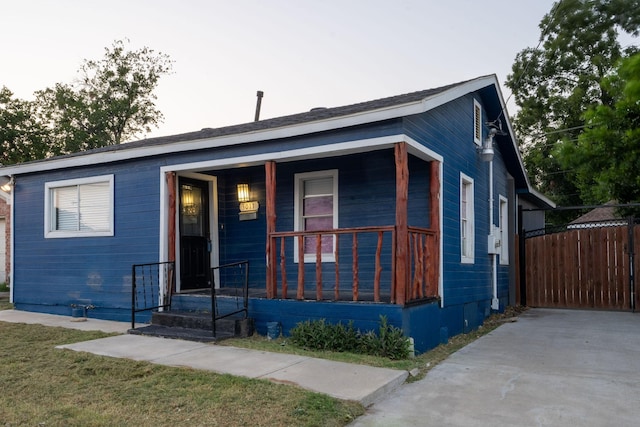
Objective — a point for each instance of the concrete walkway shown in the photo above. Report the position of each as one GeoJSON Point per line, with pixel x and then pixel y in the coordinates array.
{"type": "Point", "coordinates": [345, 381]}
{"type": "Point", "coordinates": [550, 368]}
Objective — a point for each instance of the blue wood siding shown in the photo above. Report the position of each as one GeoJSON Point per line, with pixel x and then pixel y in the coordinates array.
{"type": "Point", "coordinates": [448, 130]}
{"type": "Point", "coordinates": [52, 274]}
{"type": "Point", "coordinates": [88, 270]}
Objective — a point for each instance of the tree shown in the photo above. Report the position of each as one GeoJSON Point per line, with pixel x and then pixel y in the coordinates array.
{"type": "Point", "coordinates": [22, 136]}
{"type": "Point", "coordinates": [112, 101]}
{"type": "Point", "coordinates": [606, 158]}
{"type": "Point", "coordinates": [556, 82]}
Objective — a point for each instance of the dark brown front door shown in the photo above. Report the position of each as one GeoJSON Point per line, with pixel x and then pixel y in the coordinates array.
{"type": "Point", "coordinates": [195, 243]}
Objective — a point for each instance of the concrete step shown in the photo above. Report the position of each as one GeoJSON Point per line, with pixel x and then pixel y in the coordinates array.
{"type": "Point", "coordinates": [195, 326]}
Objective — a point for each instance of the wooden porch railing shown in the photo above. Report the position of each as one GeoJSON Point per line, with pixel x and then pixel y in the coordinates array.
{"type": "Point", "coordinates": [372, 248]}
{"type": "Point", "coordinates": [424, 250]}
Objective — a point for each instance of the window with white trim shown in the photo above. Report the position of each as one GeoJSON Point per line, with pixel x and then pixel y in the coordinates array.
{"type": "Point", "coordinates": [504, 230]}
{"type": "Point", "coordinates": [316, 208]}
{"type": "Point", "coordinates": [477, 122]}
{"type": "Point", "coordinates": [79, 207]}
{"type": "Point", "coordinates": [467, 221]}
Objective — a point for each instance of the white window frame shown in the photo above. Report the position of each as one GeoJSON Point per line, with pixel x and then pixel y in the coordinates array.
{"type": "Point", "coordinates": [299, 178]}
{"type": "Point", "coordinates": [467, 221]}
{"type": "Point", "coordinates": [49, 211]}
{"type": "Point", "coordinates": [477, 122]}
{"type": "Point", "coordinates": [504, 230]}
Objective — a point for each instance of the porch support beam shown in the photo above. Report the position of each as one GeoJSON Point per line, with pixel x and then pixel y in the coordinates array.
{"type": "Point", "coordinates": [434, 224]}
{"type": "Point", "coordinates": [171, 222]}
{"type": "Point", "coordinates": [270, 171]}
{"type": "Point", "coordinates": [402, 230]}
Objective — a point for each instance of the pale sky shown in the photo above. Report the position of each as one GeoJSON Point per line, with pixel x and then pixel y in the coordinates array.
{"type": "Point", "coordinates": [302, 54]}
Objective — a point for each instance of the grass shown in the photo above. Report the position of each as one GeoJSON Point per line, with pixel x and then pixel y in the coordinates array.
{"type": "Point", "coordinates": [45, 386]}
{"type": "Point", "coordinates": [418, 366]}
{"type": "Point", "coordinates": [4, 287]}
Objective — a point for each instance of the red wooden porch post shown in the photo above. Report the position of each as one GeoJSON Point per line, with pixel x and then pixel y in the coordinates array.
{"type": "Point", "coordinates": [434, 223]}
{"type": "Point", "coordinates": [171, 221]}
{"type": "Point", "coordinates": [402, 231]}
{"type": "Point", "coordinates": [270, 172]}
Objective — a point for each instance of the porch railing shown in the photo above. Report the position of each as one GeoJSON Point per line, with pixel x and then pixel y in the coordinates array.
{"type": "Point", "coordinates": [366, 255]}
{"type": "Point", "coordinates": [151, 286]}
{"type": "Point", "coordinates": [235, 278]}
{"type": "Point", "coordinates": [424, 252]}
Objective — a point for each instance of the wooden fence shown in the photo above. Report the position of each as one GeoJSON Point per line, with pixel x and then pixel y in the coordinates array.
{"type": "Point", "coordinates": [583, 268]}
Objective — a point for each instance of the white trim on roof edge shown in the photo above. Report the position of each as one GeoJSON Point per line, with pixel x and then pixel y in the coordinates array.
{"type": "Point", "coordinates": [331, 150]}
{"type": "Point", "coordinates": [417, 107]}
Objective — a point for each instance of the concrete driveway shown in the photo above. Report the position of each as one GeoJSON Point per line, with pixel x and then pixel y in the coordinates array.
{"type": "Point", "coordinates": [550, 368]}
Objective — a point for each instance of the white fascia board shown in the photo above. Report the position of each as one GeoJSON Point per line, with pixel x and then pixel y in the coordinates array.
{"type": "Point", "coordinates": [332, 150]}
{"type": "Point", "coordinates": [261, 135]}
{"type": "Point", "coordinates": [512, 134]}
{"type": "Point", "coordinates": [542, 197]}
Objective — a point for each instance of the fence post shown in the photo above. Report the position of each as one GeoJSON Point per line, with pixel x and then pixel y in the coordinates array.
{"type": "Point", "coordinates": [523, 260]}
{"type": "Point", "coordinates": [632, 285]}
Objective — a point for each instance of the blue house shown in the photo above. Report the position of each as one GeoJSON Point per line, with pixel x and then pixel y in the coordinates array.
{"type": "Point", "coordinates": [403, 206]}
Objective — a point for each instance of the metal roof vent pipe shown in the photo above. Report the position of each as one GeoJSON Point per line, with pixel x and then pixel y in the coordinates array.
{"type": "Point", "coordinates": [260, 94]}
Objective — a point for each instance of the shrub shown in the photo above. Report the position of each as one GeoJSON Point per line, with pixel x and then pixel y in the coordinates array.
{"type": "Point", "coordinates": [389, 342]}
{"type": "Point", "coordinates": [320, 335]}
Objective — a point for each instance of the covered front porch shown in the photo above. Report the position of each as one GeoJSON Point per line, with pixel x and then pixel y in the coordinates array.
{"type": "Point", "coordinates": [378, 244]}
{"type": "Point", "coordinates": [380, 241]}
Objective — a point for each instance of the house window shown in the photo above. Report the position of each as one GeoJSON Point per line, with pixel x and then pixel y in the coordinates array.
{"type": "Point", "coordinates": [467, 226]}
{"type": "Point", "coordinates": [477, 122]}
{"type": "Point", "coordinates": [316, 208]}
{"type": "Point", "coordinates": [79, 207]}
{"type": "Point", "coordinates": [504, 230]}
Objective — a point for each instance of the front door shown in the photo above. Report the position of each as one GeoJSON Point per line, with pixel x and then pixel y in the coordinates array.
{"type": "Point", "coordinates": [195, 239]}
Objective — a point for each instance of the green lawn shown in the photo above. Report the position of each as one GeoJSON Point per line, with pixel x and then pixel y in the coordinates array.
{"type": "Point", "coordinates": [44, 386]}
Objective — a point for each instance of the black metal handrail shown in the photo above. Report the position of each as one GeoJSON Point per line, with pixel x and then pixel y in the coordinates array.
{"type": "Point", "coordinates": [151, 286]}
{"type": "Point", "coordinates": [241, 293]}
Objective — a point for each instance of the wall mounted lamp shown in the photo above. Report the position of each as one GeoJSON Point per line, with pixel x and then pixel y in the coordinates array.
{"type": "Point", "coordinates": [486, 152]}
{"type": "Point", "coordinates": [243, 193]}
{"type": "Point", "coordinates": [248, 208]}
{"type": "Point", "coordinates": [7, 183]}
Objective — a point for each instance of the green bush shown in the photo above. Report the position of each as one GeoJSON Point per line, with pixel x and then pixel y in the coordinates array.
{"type": "Point", "coordinates": [389, 342]}
{"type": "Point", "coordinates": [320, 335]}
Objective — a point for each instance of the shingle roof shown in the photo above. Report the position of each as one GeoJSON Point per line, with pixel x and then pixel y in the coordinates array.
{"type": "Point", "coordinates": [316, 114]}
{"type": "Point", "coordinates": [602, 213]}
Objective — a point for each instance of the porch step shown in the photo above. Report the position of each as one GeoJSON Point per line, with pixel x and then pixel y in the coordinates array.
{"type": "Point", "coordinates": [194, 326]}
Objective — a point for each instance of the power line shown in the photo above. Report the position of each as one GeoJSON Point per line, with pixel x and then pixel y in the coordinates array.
{"type": "Point", "coordinates": [526, 67]}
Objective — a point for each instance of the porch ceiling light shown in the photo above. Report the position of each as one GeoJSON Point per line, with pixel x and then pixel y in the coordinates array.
{"type": "Point", "coordinates": [243, 193]}
{"type": "Point", "coordinates": [190, 205]}
{"type": "Point", "coordinates": [6, 183]}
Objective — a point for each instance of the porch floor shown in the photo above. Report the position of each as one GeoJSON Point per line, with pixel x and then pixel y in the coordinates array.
{"type": "Point", "coordinates": [310, 295]}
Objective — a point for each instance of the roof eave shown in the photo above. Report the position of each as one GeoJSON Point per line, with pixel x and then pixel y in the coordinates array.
{"type": "Point", "coordinates": [123, 153]}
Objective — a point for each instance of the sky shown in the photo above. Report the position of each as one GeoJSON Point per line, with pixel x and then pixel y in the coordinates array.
{"type": "Point", "coordinates": [301, 54]}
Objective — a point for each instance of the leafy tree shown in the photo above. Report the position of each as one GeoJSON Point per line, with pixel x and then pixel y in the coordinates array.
{"type": "Point", "coordinates": [556, 82]}
{"type": "Point", "coordinates": [112, 101]}
{"type": "Point", "coordinates": [22, 136]}
{"type": "Point", "coordinates": [606, 158]}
